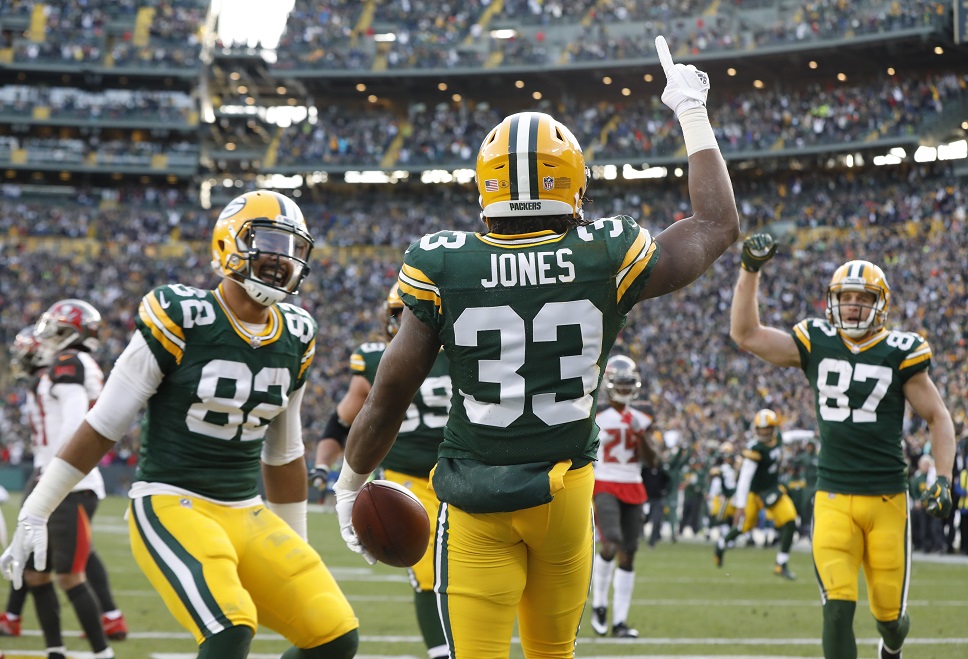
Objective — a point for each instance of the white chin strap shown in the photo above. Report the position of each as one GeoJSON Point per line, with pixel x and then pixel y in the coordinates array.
{"type": "Point", "coordinates": [862, 326]}
{"type": "Point", "coordinates": [264, 295]}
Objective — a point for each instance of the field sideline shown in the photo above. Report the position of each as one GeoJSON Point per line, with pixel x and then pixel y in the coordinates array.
{"type": "Point", "coordinates": [683, 606]}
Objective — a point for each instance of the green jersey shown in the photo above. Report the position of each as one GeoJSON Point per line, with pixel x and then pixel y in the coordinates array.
{"type": "Point", "coordinates": [860, 404]}
{"type": "Point", "coordinates": [528, 322]}
{"type": "Point", "coordinates": [415, 450]}
{"type": "Point", "coordinates": [222, 386]}
{"type": "Point", "coordinates": [766, 478]}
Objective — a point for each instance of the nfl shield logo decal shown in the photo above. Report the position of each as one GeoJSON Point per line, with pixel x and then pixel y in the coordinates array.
{"type": "Point", "coordinates": [548, 182]}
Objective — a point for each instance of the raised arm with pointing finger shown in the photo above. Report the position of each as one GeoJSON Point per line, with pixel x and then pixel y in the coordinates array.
{"type": "Point", "coordinates": [513, 474]}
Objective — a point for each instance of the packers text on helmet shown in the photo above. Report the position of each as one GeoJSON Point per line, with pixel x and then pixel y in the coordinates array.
{"type": "Point", "coordinates": [261, 239]}
{"type": "Point", "coordinates": [862, 276]}
{"type": "Point", "coordinates": [528, 165]}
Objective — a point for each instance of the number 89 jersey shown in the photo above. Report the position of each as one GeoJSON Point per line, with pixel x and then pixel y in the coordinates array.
{"type": "Point", "coordinates": [415, 451]}
{"type": "Point", "coordinates": [222, 385]}
{"type": "Point", "coordinates": [860, 404]}
{"type": "Point", "coordinates": [527, 322]}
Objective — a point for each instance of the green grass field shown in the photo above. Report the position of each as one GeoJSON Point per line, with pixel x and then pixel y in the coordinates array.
{"type": "Point", "coordinates": [683, 606]}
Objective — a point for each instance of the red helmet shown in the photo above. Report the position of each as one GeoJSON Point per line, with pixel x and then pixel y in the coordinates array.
{"type": "Point", "coordinates": [68, 324]}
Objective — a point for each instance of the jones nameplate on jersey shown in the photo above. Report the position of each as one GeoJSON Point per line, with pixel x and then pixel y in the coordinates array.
{"type": "Point", "coordinates": [530, 269]}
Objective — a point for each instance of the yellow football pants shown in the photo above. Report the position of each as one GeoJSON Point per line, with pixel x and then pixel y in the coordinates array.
{"type": "Point", "coordinates": [217, 567]}
{"type": "Point", "coordinates": [850, 531]}
{"type": "Point", "coordinates": [780, 513]}
{"type": "Point", "coordinates": [533, 564]}
{"type": "Point", "coordinates": [422, 573]}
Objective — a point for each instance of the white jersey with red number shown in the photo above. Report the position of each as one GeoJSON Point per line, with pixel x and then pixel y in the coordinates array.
{"type": "Point", "coordinates": [618, 444]}
{"type": "Point", "coordinates": [65, 392]}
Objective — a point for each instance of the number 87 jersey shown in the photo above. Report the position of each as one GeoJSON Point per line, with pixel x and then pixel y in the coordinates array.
{"type": "Point", "coordinates": [860, 403]}
{"type": "Point", "coordinates": [527, 322]}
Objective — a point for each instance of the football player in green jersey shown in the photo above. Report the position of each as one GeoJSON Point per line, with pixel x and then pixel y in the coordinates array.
{"type": "Point", "coordinates": [527, 313]}
{"type": "Point", "coordinates": [758, 488]}
{"type": "Point", "coordinates": [410, 459]}
{"type": "Point", "coordinates": [862, 374]}
{"type": "Point", "coordinates": [222, 373]}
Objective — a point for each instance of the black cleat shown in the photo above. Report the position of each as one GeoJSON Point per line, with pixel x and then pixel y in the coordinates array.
{"type": "Point", "coordinates": [600, 620]}
{"type": "Point", "coordinates": [621, 630]}
{"type": "Point", "coordinates": [784, 571]}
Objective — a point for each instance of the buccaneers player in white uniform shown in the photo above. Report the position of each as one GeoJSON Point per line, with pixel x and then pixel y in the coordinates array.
{"type": "Point", "coordinates": [619, 495]}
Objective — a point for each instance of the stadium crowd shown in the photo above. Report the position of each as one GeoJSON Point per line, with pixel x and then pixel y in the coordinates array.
{"type": "Point", "coordinates": [696, 379]}
{"type": "Point", "coordinates": [641, 128]}
{"type": "Point", "coordinates": [554, 33]}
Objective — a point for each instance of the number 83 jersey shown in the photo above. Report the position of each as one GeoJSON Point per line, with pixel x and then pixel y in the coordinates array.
{"type": "Point", "coordinates": [222, 385]}
{"type": "Point", "coordinates": [860, 404]}
{"type": "Point", "coordinates": [527, 322]}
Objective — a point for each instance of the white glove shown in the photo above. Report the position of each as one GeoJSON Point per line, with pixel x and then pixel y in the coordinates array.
{"type": "Point", "coordinates": [686, 86]}
{"type": "Point", "coordinates": [29, 538]}
{"type": "Point", "coordinates": [345, 498]}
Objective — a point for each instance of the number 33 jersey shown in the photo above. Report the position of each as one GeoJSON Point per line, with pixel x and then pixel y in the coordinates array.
{"type": "Point", "coordinates": [222, 385]}
{"type": "Point", "coordinates": [415, 451]}
{"type": "Point", "coordinates": [527, 321]}
{"type": "Point", "coordinates": [860, 404]}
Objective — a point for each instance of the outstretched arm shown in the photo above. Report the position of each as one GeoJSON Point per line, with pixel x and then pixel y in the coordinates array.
{"type": "Point", "coordinates": [767, 343]}
{"type": "Point", "coordinates": [925, 399]}
{"type": "Point", "coordinates": [691, 245]}
{"type": "Point", "coordinates": [404, 366]}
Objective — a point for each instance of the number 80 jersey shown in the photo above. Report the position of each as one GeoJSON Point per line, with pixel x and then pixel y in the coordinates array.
{"type": "Point", "coordinates": [860, 404]}
{"type": "Point", "coordinates": [222, 385]}
{"type": "Point", "coordinates": [527, 322]}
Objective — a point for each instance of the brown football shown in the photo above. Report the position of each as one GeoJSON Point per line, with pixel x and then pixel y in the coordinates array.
{"type": "Point", "coordinates": [391, 523]}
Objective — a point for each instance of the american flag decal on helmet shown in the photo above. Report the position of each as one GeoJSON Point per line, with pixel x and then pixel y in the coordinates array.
{"type": "Point", "coordinates": [490, 185]}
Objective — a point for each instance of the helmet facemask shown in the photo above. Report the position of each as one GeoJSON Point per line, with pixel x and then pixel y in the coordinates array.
{"type": "Point", "coordinates": [765, 425]}
{"type": "Point", "coordinates": [872, 318]}
{"type": "Point", "coordinates": [67, 324]}
{"type": "Point", "coordinates": [271, 259]}
{"type": "Point", "coordinates": [622, 381]}
{"type": "Point", "coordinates": [25, 355]}
{"type": "Point", "coordinates": [394, 309]}
{"type": "Point", "coordinates": [865, 277]}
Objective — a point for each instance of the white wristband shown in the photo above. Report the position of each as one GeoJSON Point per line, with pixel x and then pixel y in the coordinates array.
{"type": "Point", "coordinates": [293, 514]}
{"type": "Point", "coordinates": [696, 130]}
{"type": "Point", "coordinates": [349, 479]}
{"type": "Point", "coordinates": [58, 480]}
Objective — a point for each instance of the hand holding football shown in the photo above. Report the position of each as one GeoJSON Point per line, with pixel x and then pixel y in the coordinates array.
{"type": "Point", "coordinates": [391, 523]}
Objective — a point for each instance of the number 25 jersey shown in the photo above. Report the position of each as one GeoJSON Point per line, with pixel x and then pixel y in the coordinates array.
{"type": "Point", "coordinates": [527, 322]}
{"type": "Point", "coordinates": [860, 404]}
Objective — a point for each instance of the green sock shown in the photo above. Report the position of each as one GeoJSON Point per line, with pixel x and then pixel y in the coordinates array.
{"type": "Point", "coordinates": [230, 643]}
{"type": "Point", "coordinates": [838, 630]}
{"type": "Point", "coordinates": [343, 647]}
{"type": "Point", "coordinates": [428, 619]}
{"type": "Point", "coordinates": [894, 632]}
{"type": "Point", "coordinates": [786, 536]}
{"type": "Point", "coordinates": [732, 535]}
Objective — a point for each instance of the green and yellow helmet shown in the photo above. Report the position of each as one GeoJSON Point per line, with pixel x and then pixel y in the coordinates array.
{"type": "Point", "coordinates": [530, 164]}
{"type": "Point", "coordinates": [859, 276]}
